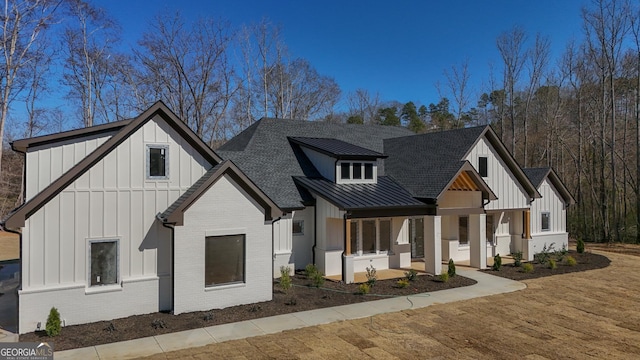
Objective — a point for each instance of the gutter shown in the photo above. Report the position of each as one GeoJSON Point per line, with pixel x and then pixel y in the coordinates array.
{"type": "Point", "coordinates": [173, 260]}
{"type": "Point", "coordinates": [315, 235]}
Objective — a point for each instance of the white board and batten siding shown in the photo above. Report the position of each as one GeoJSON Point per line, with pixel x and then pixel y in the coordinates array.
{"type": "Point", "coordinates": [500, 179]}
{"type": "Point", "coordinates": [235, 213]}
{"type": "Point", "coordinates": [552, 203]}
{"type": "Point", "coordinates": [113, 200]}
{"type": "Point", "coordinates": [330, 237]}
{"type": "Point", "coordinates": [302, 244]}
{"type": "Point", "coordinates": [325, 164]}
{"type": "Point", "coordinates": [283, 245]}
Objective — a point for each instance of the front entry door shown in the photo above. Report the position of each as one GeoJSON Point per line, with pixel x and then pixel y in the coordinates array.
{"type": "Point", "coordinates": [416, 237]}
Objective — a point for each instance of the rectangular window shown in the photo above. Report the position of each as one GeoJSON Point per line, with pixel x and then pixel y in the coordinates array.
{"type": "Point", "coordinates": [298, 227]}
{"type": "Point", "coordinates": [224, 260]}
{"type": "Point", "coordinates": [482, 166]}
{"type": "Point", "coordinates": [416, 237]}
{"type": "Point", "coordinates": [157, 162]}
{"type": "Point", "coordinates": [104, 262]}
{"type": "Point", "coordinates": [463, 230]}
{"type": "Point", "coordinates": [490, 228]}
{"type": "Point", "coordinates": [344, 171]}
{"type": "Point", "coordinates": [546, 221]}
{"type": "Point", "coordinates": [385, 235]}
{"type": "Point", "coordinates": [368, 171]}
{"type": "Point", "coordinates": [354, 236]}
{"type": "Point", "coordinates": [368, 236]}
{"type": "Point", "coordinates": [357, 170]}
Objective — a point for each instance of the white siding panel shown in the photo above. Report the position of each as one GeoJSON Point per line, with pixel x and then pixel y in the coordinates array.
{"type": "Point", "coordinates": [124, 230]}
{"type": "Point", "coordinates": [110, 214]}
{"type": "Point", "coordinates": [96, 214]}
{"type": "Point", "coordinates": [325, 164]}
{"type": "Point", "coordinates": [137, 233]}
{"type": "Point", "coordinates": [137, 155]}
{"type": "Point", "coordinates": [36, 250]}
{"type": "Point", "coordinates": [81, 235]}
{"type": "Point", "coordinates": [56, 163]}
{"type": "Point", "coordinates": [52, 244]}
{"type": "Point", "coordinates": [552, 203]}
{"type": "Point", "coordinates": [302, 244]}
{"type": "Point", "coordinates": [44, 172]}
{"type": "Point", "coordinates": [500, 179]}
{"type": "Point", "coordinates": [67, 231]}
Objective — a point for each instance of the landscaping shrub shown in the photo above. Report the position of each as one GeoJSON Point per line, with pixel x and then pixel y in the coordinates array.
{"type": "Point", "coordinates": [497, 263]}
{"type": "Point", "coordinates": [54, 325]}
{"type": "Point", "coordinates": [444, 277]}
{"type": "Point", "coordinates": [580, 246]}
{"type": "Point", "coordinates": [317, 279]}
{"type": "Point", "coordinates": [372, 276]}
{"type": "Point", "coordinates": [363, 289]}
{"type": "Point", "coordinates": [552, 264]}
{"type": "Point", "coordinates": [403, 283]}
{"type": "Point", "coordinates": [571, 261]}
{"type": "Point", "coordinates": [517, 259]}
{"type": "Point", "coordinates": [310, 270]}
{"type": "Point", "coordinates": [543, 256]}
{"type": "Point", "coordinates": [285, 278]}
{"type": "Point", "coordinates": [411, 275]}
{"type": "Point", "coordinates": [527, 268]}
{"type": "Point", "coordinates": [452, 268]}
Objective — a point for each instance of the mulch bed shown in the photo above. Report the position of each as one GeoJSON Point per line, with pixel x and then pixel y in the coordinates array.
{"type": "Point", "coordinates": [300, 297]}
{"type": "Point", "coordinates": [585, 261]}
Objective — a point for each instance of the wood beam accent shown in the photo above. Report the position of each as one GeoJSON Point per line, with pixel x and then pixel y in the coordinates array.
{"type": "Point", "coordinates": [347, 234]}
{"type": "Point", "coordinates": [527, 224]}
{"type": "Point", "coordinates": [464, 183]}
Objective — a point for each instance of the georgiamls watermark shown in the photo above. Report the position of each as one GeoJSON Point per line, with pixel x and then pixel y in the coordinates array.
{"type": "Point", "coordinates": [26, 351]}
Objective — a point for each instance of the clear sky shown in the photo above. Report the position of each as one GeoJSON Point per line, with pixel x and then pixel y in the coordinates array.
{"type": "Point", "coordinates": [397, 48]}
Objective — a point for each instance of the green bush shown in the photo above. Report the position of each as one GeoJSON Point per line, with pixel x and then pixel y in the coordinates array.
{"type": "Point", "coordinates": [527, 268]}
{"type": "Point", "coordinates": [543, 256]}
{"type": "Point", "coordinates": [497, 263]}
{"type": "Point", "coordinates": [411, 275]}
{"type": "Point", "coordinates": [310, 270]}
{"type": "Point", "coordinates": [372, 276]}
{"type": "Point", "coordinates": [403, 283]}
{"type": "Point", "coordinates": [517, 259]}
{"type": "Point", "coordinates": [444, 277]}
{"type": "Point", "coordinates": [580, 246]}
{"type": "Point", "coordinates": [571, 261]}
{"type": "Point", "coordinates": [552, 264]}
{"type": "Point", "coordinates": [363, 289]}
{"type": "Point", "coordinates": [317, 279]}
{"type": "Point", "coordinates": [285, 278]}
{"type": "Point", "coordinates": [54, 325]}
{"type": "Point", "coordinates": [452, 268]}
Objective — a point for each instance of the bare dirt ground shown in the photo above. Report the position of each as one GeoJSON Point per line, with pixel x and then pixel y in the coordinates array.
{"type": "Point", "coordinates": [9, 246]}
{"type": "Point", "coordinates": [582, 315]}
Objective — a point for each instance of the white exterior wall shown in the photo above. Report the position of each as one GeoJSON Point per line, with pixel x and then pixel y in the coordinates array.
{"type": "Point", "coordinates": [303, 243]}
{"type": "Point", "coordinates": [282, 245]}
{"type": "Point", "coordinates": [225, 209]}
{"type": "Point", "coordinates": [111, 201]}
{"type": "Point", "coordinates": [48, 162]}
{"type": "Point", "coordinates": [552, 203]}
{"type": "Point", "coordinates": [460, 199]}
{"type": "Point", "coordinates": [330, 240]}
{"type": "Point", "coordinates": [326, 165]}
{"type": "Point", "coordinates": [500, 179]}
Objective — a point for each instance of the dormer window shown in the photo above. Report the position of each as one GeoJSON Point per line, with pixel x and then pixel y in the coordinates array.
{"type": "Point", "coordinates": [345, 171]}
{"type": "Point", "coordinates": [357, 170]}
{"type": "Point", "coordinates": [368, 171]}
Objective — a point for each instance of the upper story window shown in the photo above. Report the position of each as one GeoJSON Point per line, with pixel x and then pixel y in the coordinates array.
{"type": "Point", "coordinates": [368, 171]}
{"type": "Point", "coordinates": [345, 171]}
{"type": "Point", "coordinates": [356, 172]}
{"type": "Point", "coordinates": [546, 221]}
{"type": "Point", "coordinates": [157, 162]}
{"type": "Point", "coordinates": [483, 167]}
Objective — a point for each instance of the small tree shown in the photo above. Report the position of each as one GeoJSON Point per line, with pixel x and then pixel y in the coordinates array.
{"type": "Point", "coordinates": [285, 278]}
{"type": "Point", "coordinates": [452, 268]}
{"type": "Point", "coordinates": [53, 323]}
{"type": "Point", "coordinates": [580, 246]}
{"type": "Point", "coordinates": [497, 262]}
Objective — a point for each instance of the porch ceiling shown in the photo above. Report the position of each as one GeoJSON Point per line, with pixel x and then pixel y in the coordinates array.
{"type": "Point", "coordinates": [464, 183]}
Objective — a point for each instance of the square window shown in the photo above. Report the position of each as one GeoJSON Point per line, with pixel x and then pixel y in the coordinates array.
{"type": "Point", "coordinates": [224, 260]}
{"type": "Point", "coordinates": [357, 170]}
{"type": "Point", "coordinates": [483, 169]}
{"type": "Point", "coordinates": [368, 236]}
{"type": "Point", "coordinates": [385, 235]}
{"type": "Point", "coordinates": [368, 171]}
{"type": "Point", "coordinates": [546, 221]}
{"type": "Point", "coordinates": [463, 230]}
{"type": "Point", "coordinates": [345, 168]}
{"type": "Point", "coordinates": [103, 259]}
{"type": "Point", "coordinates": [298, 227]}
{"type": "Point", "coordinates": [354, 236]}
{"type": "Point", "coordinates": [157, 161]}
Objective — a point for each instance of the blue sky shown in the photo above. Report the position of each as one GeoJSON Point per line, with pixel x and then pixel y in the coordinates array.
{"type": "Point", "coordinates": [398, 48]}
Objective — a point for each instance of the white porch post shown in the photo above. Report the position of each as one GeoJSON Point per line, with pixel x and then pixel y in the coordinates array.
{"type": "Point", "coordinates": [478, 241]}
{"type": "Point", "coordinates": [432, 245]}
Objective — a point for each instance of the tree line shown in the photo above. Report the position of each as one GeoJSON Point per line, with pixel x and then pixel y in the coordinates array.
{"type": "Point", "coordinates": [579, 113]}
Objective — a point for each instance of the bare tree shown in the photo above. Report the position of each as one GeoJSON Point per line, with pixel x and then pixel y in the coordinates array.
{"type": "Point", "coordinates": [635, 31]}
{"type": "Point", "coordinates": [363, 104]}
{"type": "Point", "coordinates": [457, 82]}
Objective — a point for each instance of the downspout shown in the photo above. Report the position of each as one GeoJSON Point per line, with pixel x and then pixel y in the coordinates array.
{"type": "Point", "coordinates": [273, 239]}
{"type": "Point", "coordinates": [315, 234]}
{"type": "Point", "coordinates": [173, 261]}
{"type": "Point", "coordinates": [3, 228]}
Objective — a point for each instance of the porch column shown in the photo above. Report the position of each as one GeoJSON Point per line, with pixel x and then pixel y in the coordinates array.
{"type": "Point", "coordinates": [477, 241]}
{"type": "Point", "coordinates": [347, 258]}
{"type": "Point", "coordinates": [432, 245]}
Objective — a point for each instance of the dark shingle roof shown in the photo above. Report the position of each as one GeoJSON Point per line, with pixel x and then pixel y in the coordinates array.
{"type": "Point", "coordinates": [386, 193]}
{"type": "Point", "coordinates": [266, 155]}
{"type": "Point", "coordinates": [337, 148]}
{"type": "Point", "coordinates": [425, 164]}
{"type": "Point", "coordinates": [536, 175]}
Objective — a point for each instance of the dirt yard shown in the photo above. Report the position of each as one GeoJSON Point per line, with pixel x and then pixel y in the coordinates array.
{"type": "Point", "coordinates": [9, 246]}
{"type": "Point", "coordinates": [581, 315]}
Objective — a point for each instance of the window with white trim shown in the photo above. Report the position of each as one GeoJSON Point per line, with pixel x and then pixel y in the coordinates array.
{"type": "Point", "coordinates": [371, 236]}
{"type": "Point", "coordinates": [103, 262]}
{"type": "Point", "coordinates": [345, 171]}
{"type": "Point", "coordinates": [298, 227]}
{"type": "Point", "coordinates": [357, 171]}
{"type": "Point", "coordinates": [224, 260]}
{"type": "Point", "coordinates": [368, 171]}
{"type": "Point", "coordinates": [483, 166]}
{"type": "Point", "coordinates": [157, 162]}
{"type": "Point", "coordinates": [545, 220]}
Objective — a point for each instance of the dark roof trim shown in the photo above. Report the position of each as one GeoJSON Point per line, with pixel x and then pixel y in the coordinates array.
{"type": "Point", "coordinates": [175, 214]}
{"type": "Point", "coordinates": [381, 213]}
{"type": "Point", "coordinates": [510, 161]}
{"type": "Point", "coordinates": [557, 183]}
{"type": "Point", "coordinates": [17, 218]}
{"type": "Point", "coordinates": [338, 149]}
{"type": "Point", "coordinates": [487, 193]}
{"type": "Point", "coordinates": [23, 145]}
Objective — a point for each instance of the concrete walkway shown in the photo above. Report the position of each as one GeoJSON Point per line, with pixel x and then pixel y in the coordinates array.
{"type": "Point", "coordinates": [487, 285]}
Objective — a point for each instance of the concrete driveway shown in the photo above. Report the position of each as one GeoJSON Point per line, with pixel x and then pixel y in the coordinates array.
{"type": "Point", "coordinates": [594, 314]}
